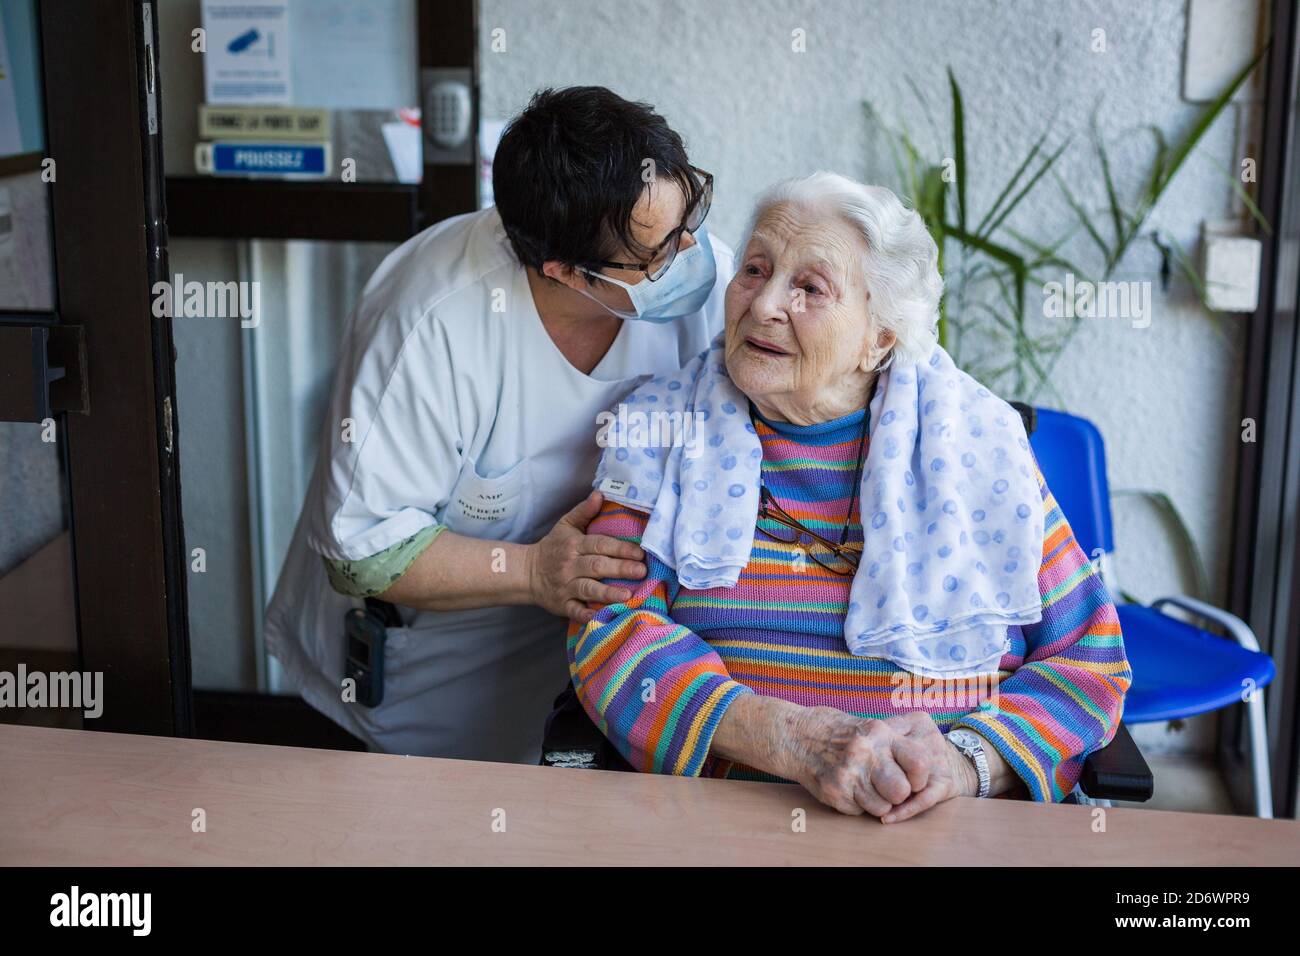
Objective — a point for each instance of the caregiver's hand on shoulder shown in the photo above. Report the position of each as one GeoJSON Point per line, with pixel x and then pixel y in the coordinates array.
{"type": "Point", "coordinates": [567, 568]}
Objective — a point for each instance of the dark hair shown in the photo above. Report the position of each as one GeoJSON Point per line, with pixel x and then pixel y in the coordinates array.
{"type": "Point", "coordinates": [568, 172]}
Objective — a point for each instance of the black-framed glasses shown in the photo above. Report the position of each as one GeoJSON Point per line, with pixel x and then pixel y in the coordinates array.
{"type": "Point", "coordinates": [840, 559]}
{"type": "Point", "coordinates": [692, 219]}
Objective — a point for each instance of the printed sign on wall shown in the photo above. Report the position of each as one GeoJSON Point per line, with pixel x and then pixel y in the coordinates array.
{"type": "Point", "coordinates": [247, 58]}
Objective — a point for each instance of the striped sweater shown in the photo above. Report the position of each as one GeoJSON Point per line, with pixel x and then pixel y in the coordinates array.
{"type": "Point", "coordinates": [657, 672]}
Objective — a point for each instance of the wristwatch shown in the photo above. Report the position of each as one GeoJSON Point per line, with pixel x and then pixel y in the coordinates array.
{"type": "Point", "coordinates": [973, 749]}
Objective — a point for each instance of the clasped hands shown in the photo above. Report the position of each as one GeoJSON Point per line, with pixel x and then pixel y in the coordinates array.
{"type": "Point", "coordinates": [891, 768]}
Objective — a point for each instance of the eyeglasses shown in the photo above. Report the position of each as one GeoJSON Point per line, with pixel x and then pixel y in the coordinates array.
{"type": "Point", "coordinates": [664, 255]}
{"type": "Point", "coordinates": [836, 558]}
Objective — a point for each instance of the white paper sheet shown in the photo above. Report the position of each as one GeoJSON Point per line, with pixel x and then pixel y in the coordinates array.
{"type": "Point", "coordinates": [247, 58]}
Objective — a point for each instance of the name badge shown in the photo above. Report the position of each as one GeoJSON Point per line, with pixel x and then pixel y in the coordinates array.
{"type": "Point", "coordinates": [478, 505]}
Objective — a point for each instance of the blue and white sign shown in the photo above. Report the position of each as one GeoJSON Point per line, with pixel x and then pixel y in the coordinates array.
{"type": "Point", "coordinates": [262, 159]}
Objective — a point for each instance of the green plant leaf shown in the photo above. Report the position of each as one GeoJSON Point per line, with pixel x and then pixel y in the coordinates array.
{"type": "Point", "coordinates": [1004, 255]}
{"type": "Point", "coordinates": [891, 140]}
{"type": "Point", "coordinates": [1047, 254]}
{"type": "Point", "coordinates": [981, 229]}
{"type": "Point", "coordinates": [1084, 217]}
{"type": "Point", "coordinates": [929, 116]}
{"type": "Point", "coordinates": [1243, 194]}
{"type": "Point", "coordinates": [959, 147]}
{"type": "Point", "coordinates": [1178, 155]}
{"type": "Point", "coordinates": [1170, 160]}
{"type": "Point", "coordinates": [1112, 195]}
{"type": "Point", "coordinates": [1165, 505]}
{"type": "Point", "coordinates": [1161, 158]}
{"type": "Point", "coordinates": [1033, 181]}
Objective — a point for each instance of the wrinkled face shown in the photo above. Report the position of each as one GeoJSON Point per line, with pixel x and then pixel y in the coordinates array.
{"type": "Point", "coordinates": [799, 338]}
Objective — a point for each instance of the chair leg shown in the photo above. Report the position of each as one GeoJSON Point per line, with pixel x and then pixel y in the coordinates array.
{"type": "Point", "coordinates": [1239, 631]}
{"type": "Point", "coordinates": [1259, 756]}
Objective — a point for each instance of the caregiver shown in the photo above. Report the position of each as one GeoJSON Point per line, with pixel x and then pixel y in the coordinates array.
{"type": "Point", "coordinates": [457, 448]}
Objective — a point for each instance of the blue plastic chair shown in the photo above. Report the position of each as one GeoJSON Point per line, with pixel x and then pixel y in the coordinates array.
{"type": "Point", "coordinates": [1179, 670]}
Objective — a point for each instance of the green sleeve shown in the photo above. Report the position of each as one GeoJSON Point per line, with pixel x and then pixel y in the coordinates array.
{"type": "Point", "coordinates": [367, 577]}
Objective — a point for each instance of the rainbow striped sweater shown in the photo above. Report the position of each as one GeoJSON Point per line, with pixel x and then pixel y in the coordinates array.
{"type": "Point", "coordinates": [657, 672]}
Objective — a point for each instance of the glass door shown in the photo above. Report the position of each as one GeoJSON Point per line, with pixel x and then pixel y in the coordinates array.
{"type": "Point", "coordinates": [371, 107]}
{"type": "Point", "coordinates": [38, 633]}
{"type": "Point", "coordinates": [92, 598]}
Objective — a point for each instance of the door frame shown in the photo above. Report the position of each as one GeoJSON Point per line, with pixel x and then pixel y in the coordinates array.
{"type": "Point", "coordinates": [1264, 577]}
{"type": "Point", "coordinates": [108, 225]}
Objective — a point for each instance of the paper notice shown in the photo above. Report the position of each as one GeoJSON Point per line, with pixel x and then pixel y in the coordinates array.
{"type": "Point", "coordinates": [247, 57]}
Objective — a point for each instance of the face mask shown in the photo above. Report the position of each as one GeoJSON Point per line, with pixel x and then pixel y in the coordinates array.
{"type": "Point", "coordinates": [683, 289]}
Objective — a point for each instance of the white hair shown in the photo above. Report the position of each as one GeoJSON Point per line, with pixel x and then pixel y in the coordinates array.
{"type": "Point", "coordinates": [902, 260]}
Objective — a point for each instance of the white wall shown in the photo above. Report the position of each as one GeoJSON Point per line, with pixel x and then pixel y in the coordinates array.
{"type": "Point", "coordinates": [751, 111]}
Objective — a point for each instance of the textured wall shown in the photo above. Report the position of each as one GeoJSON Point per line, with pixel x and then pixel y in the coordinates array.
{"type": "Point", "coordinates": [751, 111]}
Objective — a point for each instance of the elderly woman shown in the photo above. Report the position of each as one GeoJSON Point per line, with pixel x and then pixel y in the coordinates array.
{"type": "Point", "coordinates": [857, 577]}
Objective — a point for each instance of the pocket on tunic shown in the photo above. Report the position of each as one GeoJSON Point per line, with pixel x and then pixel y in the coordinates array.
{"type": "Point", "coordinates": [495, 507]}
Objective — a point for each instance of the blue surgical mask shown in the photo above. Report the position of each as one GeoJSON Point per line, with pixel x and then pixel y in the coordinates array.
{"type": "Point", "coordinates": [683, 289]}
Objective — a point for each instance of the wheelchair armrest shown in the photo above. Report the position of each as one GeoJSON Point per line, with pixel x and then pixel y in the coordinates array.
{"type": "Point", "coordinates": [1117, 771]}
{"type": "Point", "coordinates": [1028, 415]}
{"type": "Point", "coordinates": [572, 740]}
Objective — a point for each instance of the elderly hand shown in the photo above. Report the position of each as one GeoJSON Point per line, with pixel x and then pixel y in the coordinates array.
{"type": "Point", "coordinates": [567, 567]}
{"type": "Point", "coordinates": [893, 768]}
{"type": "Point", "coordinates": [951, 772]}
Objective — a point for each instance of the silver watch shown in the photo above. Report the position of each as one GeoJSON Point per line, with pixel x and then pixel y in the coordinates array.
{"type": "Point", "coordinates": [973, 749]}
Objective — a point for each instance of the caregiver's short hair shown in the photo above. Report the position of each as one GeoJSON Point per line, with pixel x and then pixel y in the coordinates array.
{"type": "Point", "coordinates": [902, 261]}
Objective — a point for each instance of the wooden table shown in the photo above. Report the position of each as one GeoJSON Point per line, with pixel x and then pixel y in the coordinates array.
{"type": "Point", "coordinates": [84, 798]}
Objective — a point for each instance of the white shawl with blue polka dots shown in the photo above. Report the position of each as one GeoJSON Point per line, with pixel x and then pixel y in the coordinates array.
{"type": "Point", "coordinates": [951, 509]}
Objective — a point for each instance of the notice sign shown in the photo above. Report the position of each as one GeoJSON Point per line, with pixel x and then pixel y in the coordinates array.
{"type": "Point", "coordinates": [263, 122]}
{"type": "Point", "coordinates": [247, 55]}
{"type": "Point", "coordinates": [262, 159]}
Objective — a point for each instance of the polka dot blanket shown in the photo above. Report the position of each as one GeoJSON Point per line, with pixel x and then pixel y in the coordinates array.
{"type": "Point", "coordinates": [951, 509]}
